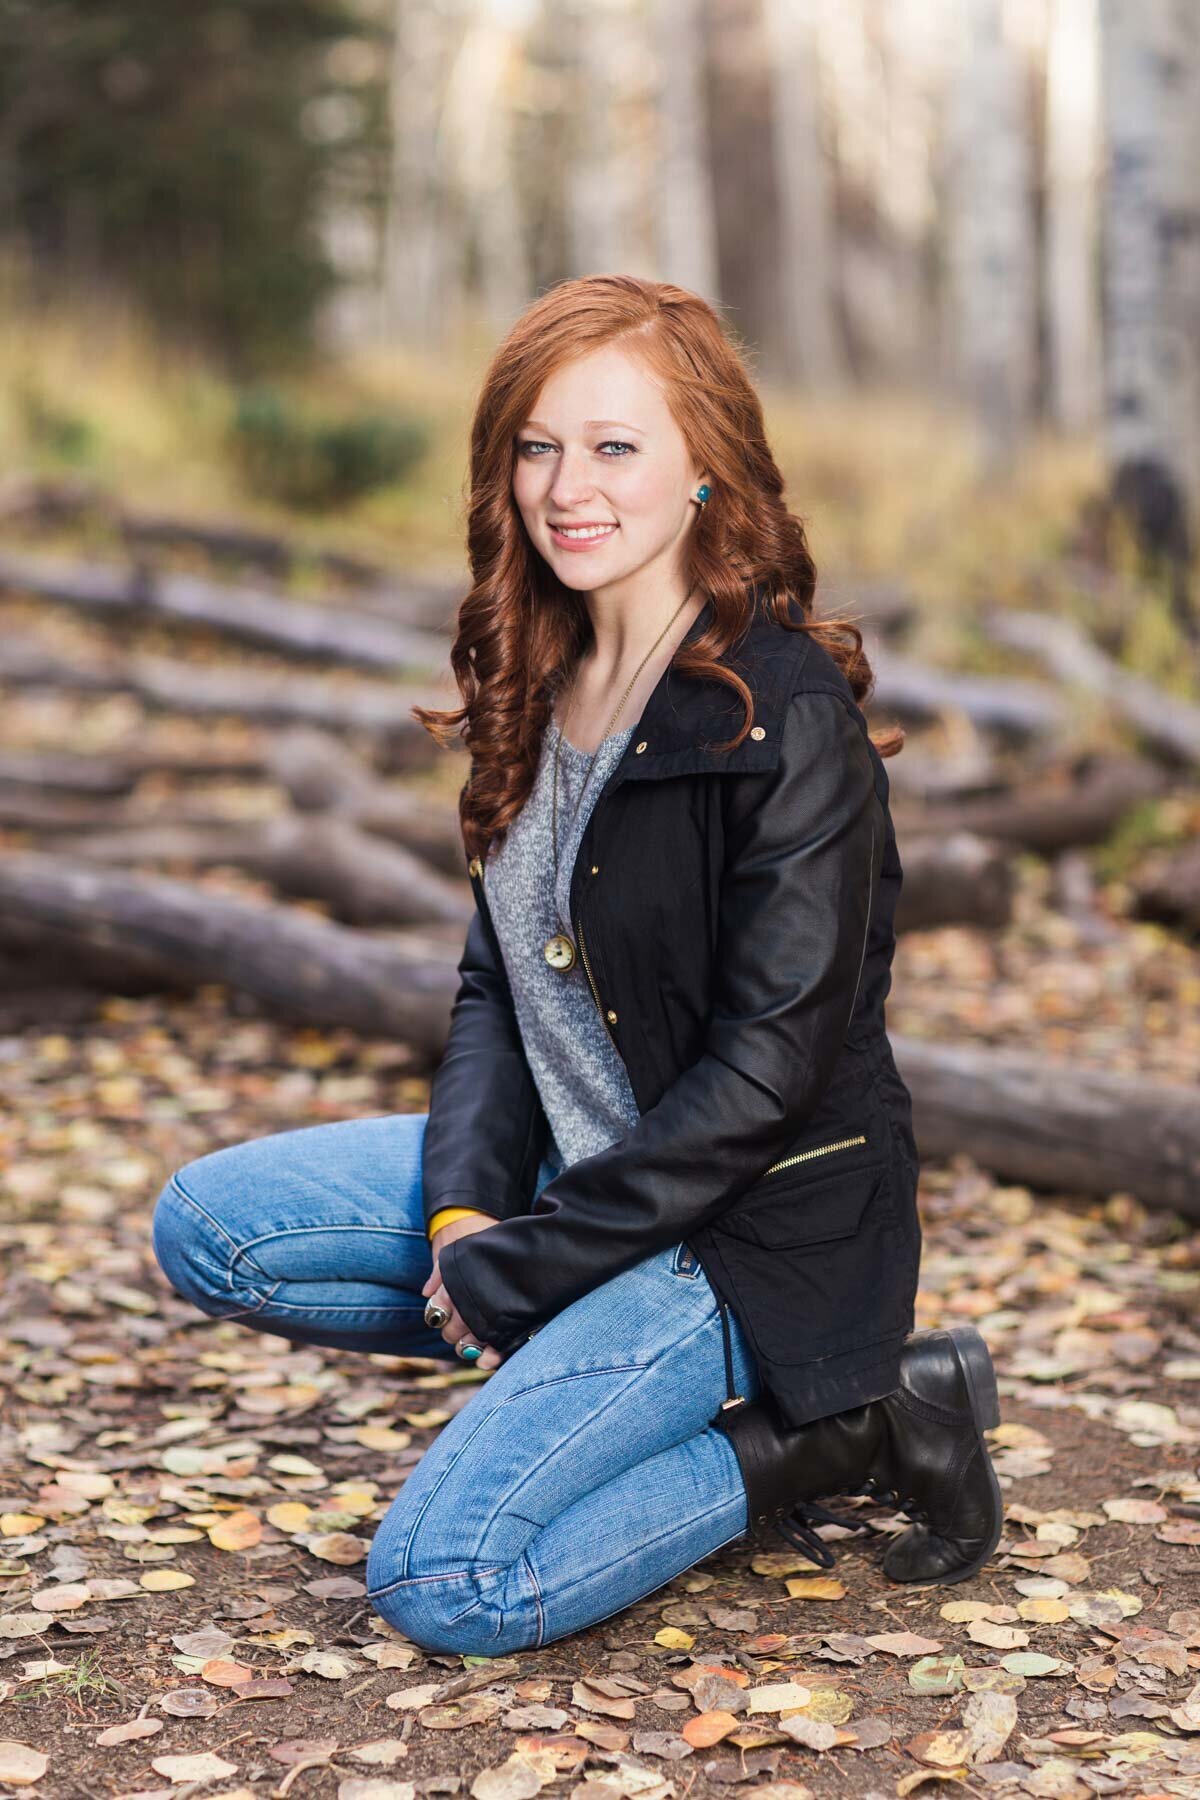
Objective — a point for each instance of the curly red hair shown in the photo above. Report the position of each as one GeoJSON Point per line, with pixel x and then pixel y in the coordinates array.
{"type": "Point", "coordinates": [520, 630]}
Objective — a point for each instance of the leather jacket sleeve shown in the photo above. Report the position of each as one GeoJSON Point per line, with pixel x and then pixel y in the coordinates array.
{"type": "Point", "coordinates": [802, 852]}
{"type": "Point", "coordinates": [486, 1130]}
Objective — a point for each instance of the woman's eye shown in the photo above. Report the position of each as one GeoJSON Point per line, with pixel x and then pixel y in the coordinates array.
{"type": "Point", "coordinates": [531, 446]}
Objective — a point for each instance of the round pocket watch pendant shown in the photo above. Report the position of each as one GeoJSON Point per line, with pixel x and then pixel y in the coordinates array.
{"type": "Point", "coordinates": [559, 951]}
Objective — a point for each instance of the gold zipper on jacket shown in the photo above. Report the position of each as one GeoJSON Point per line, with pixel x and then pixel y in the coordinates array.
{"type": "Point", "coordinates": [817, 1150]}
{"type": "Point", "coordinates": [591, 982]}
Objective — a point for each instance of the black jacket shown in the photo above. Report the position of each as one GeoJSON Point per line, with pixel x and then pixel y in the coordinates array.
{"type": "Point", "coordinates": [734, 914]}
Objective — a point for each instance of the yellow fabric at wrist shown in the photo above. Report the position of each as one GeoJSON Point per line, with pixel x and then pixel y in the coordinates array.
{"type": "Point", "coordinates": [446, 1214]}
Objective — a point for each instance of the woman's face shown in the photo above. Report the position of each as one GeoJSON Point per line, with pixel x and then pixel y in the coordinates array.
{"type": "Point", "coordinates": [601, 451]}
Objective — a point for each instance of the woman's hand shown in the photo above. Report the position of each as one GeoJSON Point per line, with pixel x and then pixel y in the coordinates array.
{"type": "Point", "coordinates": [456, 1326]}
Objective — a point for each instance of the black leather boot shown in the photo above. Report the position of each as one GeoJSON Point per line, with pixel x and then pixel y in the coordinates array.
{"type": "Point", "coordinates": [921, 1446]}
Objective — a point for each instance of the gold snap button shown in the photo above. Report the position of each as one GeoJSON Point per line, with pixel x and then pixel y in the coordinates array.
{"type": "Point", "coordinates": [475, 865]}
{"type": "Point", "coordinates": [639, 747]}
{"type": "Point", "coordinates": [757, 732]}
{"type": "Point", "coordinates": [611, 1017]}
{"type": "Point", "coordinates": [595, 868]}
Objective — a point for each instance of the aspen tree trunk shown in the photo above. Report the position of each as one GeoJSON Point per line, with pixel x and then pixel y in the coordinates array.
{"type": "Point", "coordinates": [991, 247]}
{"type": "Point", "coordinates": [1181, 248]}
{"type": "Point", "coordinates": [607, 173]}
{"type": "Point", "coordinates": [1148, 64]}
{"type": "Point", "coordinates": [687, 225]}
{"type": "Point", "coordinates": [811, 345]}
{"type": "Point", "coordinates": [480, 101]}
{"type": "Point", "coordinates": [1072, 289]}
{"type": "Point", "coordinates": [420, 286]}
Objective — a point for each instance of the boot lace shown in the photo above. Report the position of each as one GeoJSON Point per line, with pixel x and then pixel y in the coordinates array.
{"type": "Point", "coordinates": [797, 1528]}
{"type": "Point", "coordinates": [909, 1504]}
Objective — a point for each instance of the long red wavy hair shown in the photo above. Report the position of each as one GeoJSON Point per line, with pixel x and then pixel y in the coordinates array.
{"type": "Point", "coordinates": [520, 631]}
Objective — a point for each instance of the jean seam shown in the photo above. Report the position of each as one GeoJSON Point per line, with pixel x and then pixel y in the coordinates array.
{"type": "Point", "coordinates": [463, 1448]}
{"type": "Point", "coordinates": [641, 1369]}
{"type": "Point", "coordinates": [243, 1312]}
{"type": "Point", "coordinates": [425, 1580]}
{"type": "Point", "coordinates": [269, 1237]}
{"type": "Point", "coordinates": [654, 1586]}
{"type": "Point", "coordinates": [537, 1598]}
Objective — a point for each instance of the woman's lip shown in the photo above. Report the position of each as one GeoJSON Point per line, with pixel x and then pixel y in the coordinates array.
{"type": "Point", "coordinates": [567, 543]}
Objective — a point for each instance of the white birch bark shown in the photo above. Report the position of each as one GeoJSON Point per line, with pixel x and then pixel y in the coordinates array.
{"type": "Point", "coordinates": [1072, 170]}
{"type": "Point", "coordinates": [1148, 62]}
{"type": "Point", "coordinates": [607, 175]}
{"type": "Point", "coordinates": [687, 232]}
{"type": "Point", "coordinates": [811, 348]}
{"type": "Point", "coordinates": [480, 98]}
{"type": "Point", "coordinates": [420, 289]}
{"type": "Point", "coordinates": [991, 248]}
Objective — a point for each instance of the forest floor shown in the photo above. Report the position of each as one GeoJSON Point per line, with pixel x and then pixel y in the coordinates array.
{"type": "Point", "coordinates": [185, 1506]}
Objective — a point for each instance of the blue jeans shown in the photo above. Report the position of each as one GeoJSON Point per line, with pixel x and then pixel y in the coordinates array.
{"type": "Point", "coordinates": [579, 1477]}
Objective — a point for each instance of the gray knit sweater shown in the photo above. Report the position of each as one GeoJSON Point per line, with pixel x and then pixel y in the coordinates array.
{"type": "Point", "coordinates": [579, 1074]}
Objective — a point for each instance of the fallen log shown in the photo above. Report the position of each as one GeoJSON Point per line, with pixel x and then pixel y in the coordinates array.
{"type": "Point", "coordinates": [32, 499]}
{"type": "Point", "coordinates": [64, 772]}
{"type": "Point", "coordinates": [1055, 1125]}
{"type": "Point", "coordinates": [362, 880]}
{"type": "Point", "coordinates": [322, 774]}
{"type": "Point", "coordinates": [1009, 705]}
{"type": "Point", "coordinates": [151, 931]}
{"type": "Point", "coordinates": [1167, 889]}
{"type": "Point", "coordinates": [335, 630]}
{"type": "Point", "coordinates": [1167, 721]}
{"type": "Point", "coordinates": [1083, 808]}
{"type": "Point", "coordinates": [955, 880]}
{"type": "Point", "coordinates": [267, 697]}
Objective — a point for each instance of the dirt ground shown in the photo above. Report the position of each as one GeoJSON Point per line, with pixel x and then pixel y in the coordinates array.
{"type": "Point", "coordinates": [185, 1507]}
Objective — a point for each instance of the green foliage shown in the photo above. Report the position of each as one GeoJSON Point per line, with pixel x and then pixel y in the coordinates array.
{"type": "Point", "coordinates": [303, 458]}
{"type": "Point", "coordinates": [83, 1679]}
{"type": "Point", "coordinates": [182, 156]}
{"type": "Point", "coordinates": [61, 432]}
{"type": "Point", "coordinates": [1151, 824]}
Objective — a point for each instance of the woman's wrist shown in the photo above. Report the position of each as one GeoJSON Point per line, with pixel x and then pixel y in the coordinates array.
{"type": "Point", "coordinates": [446, 1215]}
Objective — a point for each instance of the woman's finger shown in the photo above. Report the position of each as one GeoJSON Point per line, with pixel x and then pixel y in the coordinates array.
{"type": "Point", "coordinates": [456, 1329]}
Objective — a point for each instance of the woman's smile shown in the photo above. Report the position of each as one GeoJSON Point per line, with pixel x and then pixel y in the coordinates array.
{"type": "Point", "coordinates": [589, 535]}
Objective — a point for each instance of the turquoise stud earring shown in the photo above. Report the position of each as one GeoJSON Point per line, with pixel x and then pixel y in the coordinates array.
{"type": "Point", "coordinates": [703, 494]}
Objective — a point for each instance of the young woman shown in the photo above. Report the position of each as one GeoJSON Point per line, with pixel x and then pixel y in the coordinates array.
{"type": "Point", "coordinates": [666, 1185]}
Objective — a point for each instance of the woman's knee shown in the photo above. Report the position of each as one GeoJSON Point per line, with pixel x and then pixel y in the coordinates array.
{"type": "Point", "coordinates": [196, 1254]}
{"type": "Point", "coordinates": [454, 1612]}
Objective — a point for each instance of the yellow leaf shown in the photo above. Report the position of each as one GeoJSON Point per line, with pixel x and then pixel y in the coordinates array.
{"type": "Point", "coordinates": [822, 1587]}
{"type": "Point", "coordinates": [289, 1515]}
{"type": "Point", "coordinates": [164, 1581]}
{"type": "Point", "coordinates": [338, 1547]}
{"type": "Point", "coordinates": [239, 1531]}
{"type": "Point", "coordinates": [19, 1524]}
{"type": "Point", "coordinates": [671, 1638]}
{"type": "Point", "coordinates": [382, 1437]}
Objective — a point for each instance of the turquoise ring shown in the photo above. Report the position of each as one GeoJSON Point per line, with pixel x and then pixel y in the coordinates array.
{"type": "Point", "coordinates": [469, 1352]}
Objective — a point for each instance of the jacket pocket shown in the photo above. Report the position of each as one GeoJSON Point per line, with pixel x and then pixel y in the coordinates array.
{"type": "Point", "coordinates": [819, 1265]}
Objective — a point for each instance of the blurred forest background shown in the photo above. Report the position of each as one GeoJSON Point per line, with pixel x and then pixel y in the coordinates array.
{"type": "Point", "coordinates": [253, 258]}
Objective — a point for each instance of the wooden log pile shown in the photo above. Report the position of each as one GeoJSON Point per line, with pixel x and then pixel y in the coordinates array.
{"type": "Point", "coordinates": [100, 879]}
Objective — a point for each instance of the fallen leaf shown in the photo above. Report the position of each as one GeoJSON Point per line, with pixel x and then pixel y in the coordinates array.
{"type": "Point", "coordinates": [205, 1766]}
{"type": "Point", "coordinates": [821, 1587]}
{"type": "Point", "coordinates": [133, 1728]}
{"type": "Point", "coordinates": [20, 1764]}
{"type": "Point", "coordinates": [240, 1531]}
{"type": "Point", "coordinates": [708, 1728]}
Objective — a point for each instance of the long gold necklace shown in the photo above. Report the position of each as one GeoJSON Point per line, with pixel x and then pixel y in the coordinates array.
{"type": "Point", "coordinates": [559, 950]}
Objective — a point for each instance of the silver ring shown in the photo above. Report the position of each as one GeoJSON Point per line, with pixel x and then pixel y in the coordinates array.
{"type": "Point", "coordinates": [435, 1315]}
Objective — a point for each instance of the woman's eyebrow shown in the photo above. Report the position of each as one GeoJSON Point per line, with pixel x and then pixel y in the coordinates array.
{"type": "Point", "coordinates": [531, 423]}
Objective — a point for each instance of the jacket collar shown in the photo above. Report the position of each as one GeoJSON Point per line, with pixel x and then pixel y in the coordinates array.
{"type": "Point", "coordinates": [685, 717]}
